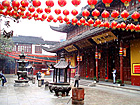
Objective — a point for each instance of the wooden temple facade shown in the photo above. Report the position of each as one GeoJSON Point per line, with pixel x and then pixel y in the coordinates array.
{"type": "Point", "coordinates": [98, 50]}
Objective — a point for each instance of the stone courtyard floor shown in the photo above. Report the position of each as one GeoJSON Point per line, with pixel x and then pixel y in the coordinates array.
{"type": "Point", "coordinates": [34, 95]}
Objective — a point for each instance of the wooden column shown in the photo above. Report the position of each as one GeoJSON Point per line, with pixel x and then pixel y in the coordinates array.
{"type": "Point", "coordinates": [56, 75]}
{"type": "Point", "coordinates": [59, 76]}
{"type": "Point", "coordinates": [69, 75]}
{"type": "Point", "coordinates": [121, 62]}
{"type": "Point", "coordinates": [65, 75]}
{"type": "Point", "coordinates": [96, 57]}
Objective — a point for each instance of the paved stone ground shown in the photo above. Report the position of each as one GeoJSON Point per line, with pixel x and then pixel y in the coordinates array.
{"type": "Point", "coordinates": [34, 95]}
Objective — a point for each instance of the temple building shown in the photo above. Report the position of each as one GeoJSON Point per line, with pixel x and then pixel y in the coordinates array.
{"type": "Point", "coordinates": [97, 50]}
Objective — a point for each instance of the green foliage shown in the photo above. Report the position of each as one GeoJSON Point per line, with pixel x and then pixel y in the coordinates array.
{"type": "Point", "coordinates": [119, 81]}
{"type": "Point", "coordinates": [6, 45]}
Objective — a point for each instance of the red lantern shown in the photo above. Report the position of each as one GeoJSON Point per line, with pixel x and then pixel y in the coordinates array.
{"type": "Point", "coordinates": [82, 20]}
{"type": "Point", "coordinates": [118, 26]}
{"type": "Point", "coordinates": [98, 22]}
{"type": "Point", "coordinates": [79, 23]}
{"type": "Point", "coordinates": [92, 3]}
{"type": "Point", "coordinates": [1, 7]}
{"type": "Point", "coordinates": [102, 24]}
{"type": "Point", "coordinates": [86, 24]}
{"type": "Point", "coordinates": [76, 2]}
{"type": "Point", "coordinates": [15, 5]}
{"type": "Point", "coordinates": [9, 8]}
{"type": "Point", "coordinates": [95, 13]}
{"type": "Point", "coordinates": [124, 15]}
{"type": "Point", "coordinates": [39, 10]}
{"type": "Point", "coordinates": [49, 20]}
{"type": "Point", "coordinates": [68, 22]}
{"type": "Point", "coordinates": [21, 13]}
{"type": "Point", "coordinates": [50, 17]}
{"type": "Point", "coordinates": [123, 26]}
{"type": "Point", "coordinates": [74, 20]}
{"type": "Point", "coordinates": [44, 16]}
{"type": "Point", "coordinates": [126, 2]}
{"type": "Point", "coordinates": [106, 24]}
{"type": "Point", "coordinates": [27, 14]}
{"type": "Point", "coordinates": [74, 12]}
{"type": "Point", "coordinates": [24, 17]}
{"type": "Point", "coordinates": [62, 3]}
{"type": "Point", "coordinates": [24, 3]}
{"type": "Point", "coordinates": [22, 8]}
{"type": "Point", "coordinates": [132, 27]}
{"type": "Point", "coordinates": [35, 15]}
{"type": "Point", "coordinates": [90, 22]}
{"type": "Point", "coordinates": [30, 18]}
{"type": "Point", "coordinates": [114, 25]}
{"type": "Point", "coordinates": [86, 13]}
{"type": "Point", "coordinates": [57, 11]}
{"type": "Point", "coordinates": [107, 2]}
{"type": "Point", "coordinates": [54, 20]}
{"type": "Point", "coordinates": [59, 18]}
{"type": "Point", "coordinates": [135, 16]}
{"type": "Point", "coordinates": [31, 9]}
{"type": "Point", "coordinates": [50, 3]}
{"type": "Point", "coordinates": [105, 14]}
{"type": "Point", "coordinates": [36, 3]}
{"type": "Point", "coordinates": [137, 28]}
{"type": "Point", "coordinates": [6, 3]}
{"type": "Point", "coordinates": [115, 14]}
{"type": "Point", "coordinates": [47, 10]}
{"type": "Point", "coordinates": [66, 19]}
{"type": "Point", "coordinates": [66, 12]}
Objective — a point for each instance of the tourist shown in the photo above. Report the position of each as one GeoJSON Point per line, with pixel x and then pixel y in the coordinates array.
{"type": "Point", "coordinates": [114, 75]}
{"type": "Point", "coordinates": [77, 78]}
{"type": "Point", "coordinates": [3, 79]}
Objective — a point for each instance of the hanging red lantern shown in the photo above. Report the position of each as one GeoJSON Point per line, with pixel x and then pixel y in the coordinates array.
{"type": "Point", "coordinates": [74, 12]}
{"type": "Point", "coordinates": [105, 14]}
{"type": "Point", "coordinates": [39, 10]}
{"type": "Point", "coordinates": [57, 11]}
{"type": "Point", "coordinates": [98, 22]}
{"type": "Point", "coordinates": [123, 26]}
{"type": "Point", "coordinates": [47, 10]}
{"type": "Point", "coordinates": [31, 9]}
{"type": "Point", "coordinates": [66, 12]}
{"type": "Point", "coordinates": [86, 24]}
{"type": "Point", "coordinates": [102, 24]}
{"type": "Point", "coordinates": [59, 18]}
{"type": "Point", "coordinates": [15, 5]}
{"type": "Point", "coordinates": [28, 14]}
{"type": "Point", "coordinates": [54, 20]}
{"type": "Point", "coordinates": [85, 13]}
{"type": "Point", "coordinates": [126, 2]}
{"type": "Point", "coordinates": [118, 26]}
{"type": "Point", "coordinates": [24, 17]}
{"type": "Point", "coordinates": [1, 7]}
{"type": "Point", "coordinates": [74, 20]}
{"type": "Point", "coordinates": [9, 8]}
{"type": "Point", "coordinates": [22, 8]}
{"type": "Point", "coordinates": [124, 15]}
{"type": "Point", "coordinates": [82, 20]}
{"type": "Point", "coordinates": [50, 17]}
{"type": "Point", "coordinates": [90, 22]}
{"type": "Point", "coordinates": [92, 3]}
{"type": "Point", "coordinates": [24, 3]}
{"type": "Point", "coordinates": [50, 3]}
{"type": "Point", "coordinates": [79, 23]}
{"type": "Point", "coordinates": [106, 24]}
{"type": "Point", "coordinates": [68, 22]}
{"type": "Point", "coordinates": [137, 28]}
{"type": "Point", "coordinates": [132, 27]}
{"type": "Point", "coordinates": [44, 16]}
{"type": "Point", "coordinates": [35, 15]}
{"type": "Point", "coordinates": [62, 3]}
{"type": "Point", "coordinates": [6, 3]}
{"type": "Point", "coordinates": [21, 13]}
{"type": "Point", "coordinates": [66, 19]}
{"type": "Point", "coordinates": [36, 3]}
{"type": "Point", "coordinates": [76, 2]}
{"type": "Point", "coordinates": [114, 25]}
{"type": "Point", "coordinates": [107, 2]}
{"type": "Point", "coordinates": [115, 14]}
{"type": "Point", "coordinates": [95, 13]}
{"type": "Point", "coordinates": [49, 20]}
{"type": "Point", "coordinates": [135, 16]}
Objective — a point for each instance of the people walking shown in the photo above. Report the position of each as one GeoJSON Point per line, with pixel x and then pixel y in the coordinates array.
{"type": "Point", "coordinates": [114, 75]}
{"type": "Point", "coordinates": [3, 79]}
{"type": "Point", "coordinates": [77, 78]}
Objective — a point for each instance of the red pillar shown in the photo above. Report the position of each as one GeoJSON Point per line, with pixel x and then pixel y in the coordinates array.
{"type": "Point", "coordinates": [121, 62]}
{"type": "Point", "coordinates": [78, 62]}
{"type": "Point", "coordinates": [96, 57]}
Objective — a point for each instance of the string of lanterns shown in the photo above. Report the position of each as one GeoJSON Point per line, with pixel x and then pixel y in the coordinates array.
{"type": "Point", "coordinates": [18, 10]}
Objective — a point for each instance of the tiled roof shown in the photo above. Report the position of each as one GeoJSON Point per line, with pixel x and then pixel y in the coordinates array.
{"type": "Point", "coordinates": [51, 42]}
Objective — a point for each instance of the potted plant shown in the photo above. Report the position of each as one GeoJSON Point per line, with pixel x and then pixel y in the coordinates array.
{"type": "Point", "coordinates": [119, 82]}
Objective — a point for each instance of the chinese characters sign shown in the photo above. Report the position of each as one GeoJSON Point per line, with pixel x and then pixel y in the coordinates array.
{"type": "Point", "coordinates": [136, 68]}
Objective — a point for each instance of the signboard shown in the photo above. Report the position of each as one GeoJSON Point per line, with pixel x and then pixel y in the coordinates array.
{"type": "Point", "coordinates": [136, 68]}
{"type": "Point", "coordinates": [70, 48]}
{"type": "Point", "coordinates": [84, 43]}
{"type": "Point", "coordinates": [106, 37]}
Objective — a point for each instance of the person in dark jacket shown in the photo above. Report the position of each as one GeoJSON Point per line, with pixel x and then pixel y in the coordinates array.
{"type": "Point", "coordinates": [3, 79]}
